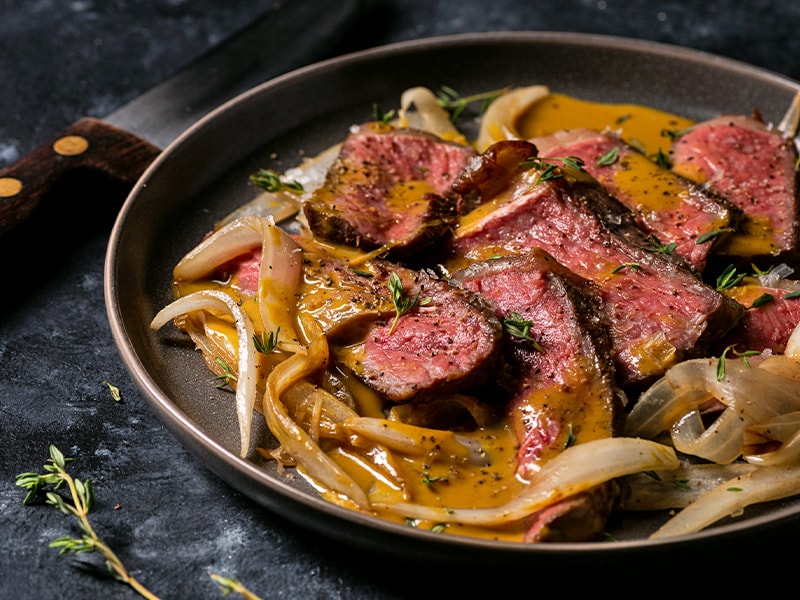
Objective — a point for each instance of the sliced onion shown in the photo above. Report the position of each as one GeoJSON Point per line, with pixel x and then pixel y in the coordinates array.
{"type": "Point", "coordinates": [246, 368]}
{"type": "Point", "coordinates": [784, 430]}
{"type": "Point", "coordinates": [792, 350]}
{"type": "Point", "coordinates": [420, 109]}
{"type": "Point", "coordinates": [279, 276]}
{"type": "Point", "coordinates": [731, 498]}
{"type": "Point", "coordinates": [661, 490]}
{"type": "Point", "coordinates": [661, 406]}
{"type": "Point", "coordinates": [574, 470]}
{"type": "Point", "coordinates": [500, 121]}
{"type": "Point", "coordinates": [721, 442]}
{"type": "Point", "coordinates": [295, 441]}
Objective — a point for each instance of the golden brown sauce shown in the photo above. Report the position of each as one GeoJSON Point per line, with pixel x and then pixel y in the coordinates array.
{"type": "Point", "coordinates": [638, 125]}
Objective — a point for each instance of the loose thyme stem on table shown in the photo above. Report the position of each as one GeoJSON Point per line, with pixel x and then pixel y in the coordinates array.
{"type": "Point", "coordinates": [81, 493]}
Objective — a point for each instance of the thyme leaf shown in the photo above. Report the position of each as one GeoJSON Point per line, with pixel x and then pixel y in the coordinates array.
{"type": "Point", "coordinates": [721, 362]}
{"type": "Point", "coordinates": [729, 278]}
{"type": "Point", "coordinates": [518, 326]}
{"type": "Point", "coordinates": [659, 248]}
{"type": "Point", "coordinates": [266, 344]}
{"type": "Point", "coordinates": [710, 235]}
{"type": "Point", "coordinates": [762, 300]}
{"type": "Point", "coordinates": [633, 266]}
{"type": "Point", "coordinates": [382, 117]}
{"type": "Point", "coordinates": [455, 104]}
{"type": "Point", "coordinates": [227, 373]}
{"type": "Point", "coordinates": [609, 158]}
{"type": "Point", "coordinates": [402, 304]}
{"type": "Point", "coordinates": [270, 181]}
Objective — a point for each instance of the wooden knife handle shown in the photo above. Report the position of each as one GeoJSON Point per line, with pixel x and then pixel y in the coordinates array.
{"type": "Point", "coordinates": [88, 155]}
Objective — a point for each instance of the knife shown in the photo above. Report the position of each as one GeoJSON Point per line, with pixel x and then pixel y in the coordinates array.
{"type": "Point", "coordinates": [119, 147]}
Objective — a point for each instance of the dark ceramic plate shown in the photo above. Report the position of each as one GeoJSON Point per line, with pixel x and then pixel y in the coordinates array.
{"type": "Point", "coordinates": [204, 175]}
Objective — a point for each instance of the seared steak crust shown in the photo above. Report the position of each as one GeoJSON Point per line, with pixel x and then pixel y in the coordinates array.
{"type": "Point", "coordinates": [448, 342]}
{"type": "Point", "coordinates": [659, 312]}
{"type": "Point", "coordinates": [673, 209]}
{"type": "Point", "coordinates": [388, 188]}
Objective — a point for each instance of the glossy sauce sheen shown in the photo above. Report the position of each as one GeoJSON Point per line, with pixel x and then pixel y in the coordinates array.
{"type": "Point", "coordinates": [638, 125]}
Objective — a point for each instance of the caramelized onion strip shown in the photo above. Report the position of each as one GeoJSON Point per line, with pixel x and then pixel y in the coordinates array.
{"type": "Point", "coordinates": [246, 368]}
{"type": "Point", "coordinates": [293, 439]}
{"type": "Point", "coordinates": [500, 120]}
{"type": "Point", "coordinates": [574, 470]}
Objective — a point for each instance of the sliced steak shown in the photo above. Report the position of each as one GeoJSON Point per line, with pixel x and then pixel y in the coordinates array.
{"type": "Point", "coordinates": [578, 518]}
{"type": "Point", "coordinates": [448, 342]}
{"type": "Point", "coordinates": [659, 312]}
{"type": "Point", "coordinates": [770, 319]}
{"type": "Point", "coordinates": [562, 384]}
{"type": "Point", "coordinates": [389, 188]}
{"type": "Point", "coordinates": [753, 167]}
{"type": "Point", "coordinates": [672, 208]}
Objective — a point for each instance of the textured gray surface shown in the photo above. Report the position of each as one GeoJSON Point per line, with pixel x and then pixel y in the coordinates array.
{"type": "Point", "coordinates": [175, 522]}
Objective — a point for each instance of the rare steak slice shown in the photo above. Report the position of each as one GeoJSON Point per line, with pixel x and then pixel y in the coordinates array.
{"type": "Point", "coordinates": [773, 311]}
{"type": "Point", "coordinates": [658, 311]}
{"type": "Point", "coordinates": [562, 384]}
{"type": "Point", "coordinates": [387, 187]}
{"type": "Point", "coordinates": [753, 167]}
{"type": "Point", "coordinates": [448, 340]}
{"type": "Point", "coordinates": [681, 216]}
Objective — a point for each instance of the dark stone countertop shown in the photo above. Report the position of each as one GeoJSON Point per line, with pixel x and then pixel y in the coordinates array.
{"type": "Point", "coordinates": [172, 521]}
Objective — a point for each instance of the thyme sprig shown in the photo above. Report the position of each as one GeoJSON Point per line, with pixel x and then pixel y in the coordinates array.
{"type": "Point", "coordinates": [731, 349]}
{"type": "Point", "coordinates": [78, 504]}
{"type": "Point", "coordinates": [227, 373]}
{"type": "Point", "coordinates": [518, 326]}
{"type": "Point", "coordinates": [270, 181]}
{"type": "Point", "coordinates": [54, 484]}
{"type": "Point", "coordinates": [402, 304]}
{"type": "Point", "coordinates": [729, 278]}
{"type": "Point", "coordinates": [548, 169]}
{"type": "Point", "coordinates": [658, 247]}
{"type": "Point", "coordinates": [266, 343]}
{"type": "Point", "coordinates": [455, 104]}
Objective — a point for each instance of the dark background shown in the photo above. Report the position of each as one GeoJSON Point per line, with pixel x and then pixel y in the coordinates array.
{"type": "Point", "coordinates": [176, 522]}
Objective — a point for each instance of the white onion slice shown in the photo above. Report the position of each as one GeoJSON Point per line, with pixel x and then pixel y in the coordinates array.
{"type": "Point", "coordinates": [721, 442]}
{"type": "Point", "coordinates": [660, 407]}
{"type": "Point", "coordinates": [500, 120]}
{"type": "Point", "coordinates": [730, 498]}
{"type": "Point", "coordinates": [574, 470]}
{"type": "Point", "coordinates": [279, 276]}
{"type": "Point", "coordinates": [420, 109]}
{"type": "Point", "coordinates": [246, 369]}
{"type": "Point", "coordinates": [792, 350]}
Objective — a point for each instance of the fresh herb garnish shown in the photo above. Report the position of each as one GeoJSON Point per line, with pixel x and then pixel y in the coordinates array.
{"type": "Point", "coordinates": [402, 305]}
{"type": "Point", "coordinates": [76, 497]}
{"type": "Point", "coordinates": [661, 159]}
{"type": "Point", "coordinates": [673, 134]}
{"type": "Point", "coordinates": [743, 355]}
{"type": "Point", "coordinates": [547, 168]}
{"type": "Point", "coordinates": [518, 326]}
{"type": "Point", "coordinates": [270, 181]}
{"type": "Point", "coordinates": [710, 235]}
{"type": "Point", "coordinates": [729, 278]}
{"type": "Point", "coordinates": [762, 300]}
{"type": "Point", "coordinates": [266, 343]}
{"type": "Point", "coordinates": [382, 117]}
{"type": "Point", "coordinates": [455, 104]}
{"type": "Point", "coordinates": [633, 266]}
{"type": "Point", "coordinates": [609, 158]}
{"type": "Point", "coordinates": [227, 373]}
{"type": "Point", "coordinates": [657, 247]}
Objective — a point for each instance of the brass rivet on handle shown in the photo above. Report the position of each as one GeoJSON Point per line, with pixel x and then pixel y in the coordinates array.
{"type": "Point", "coordinates": [71, 145]}
{"type": "Point", "coordinates": [9, 186]}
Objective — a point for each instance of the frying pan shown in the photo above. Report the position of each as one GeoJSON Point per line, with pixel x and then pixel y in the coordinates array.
{"type": "Point", "coordinates": [203, 175]}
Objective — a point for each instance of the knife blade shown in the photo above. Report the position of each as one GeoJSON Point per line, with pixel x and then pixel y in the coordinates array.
{"type": "Point", "coordinates": [120, 146]}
